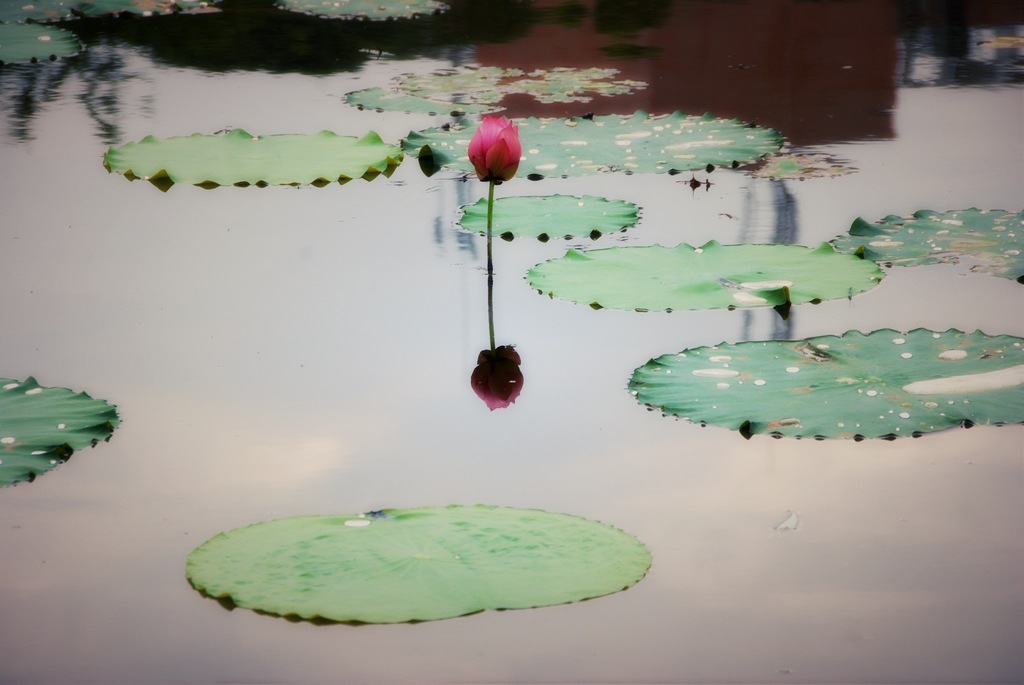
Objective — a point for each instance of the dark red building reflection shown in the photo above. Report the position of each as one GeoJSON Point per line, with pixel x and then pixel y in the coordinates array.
{"type": "Point", "coordinates": [816, 71]}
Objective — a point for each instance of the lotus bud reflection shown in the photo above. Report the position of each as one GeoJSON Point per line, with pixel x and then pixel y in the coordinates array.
{"type": "Point", "coordinates": [497, 379]}
{"type": "Point", "coordinates": [495, 150]}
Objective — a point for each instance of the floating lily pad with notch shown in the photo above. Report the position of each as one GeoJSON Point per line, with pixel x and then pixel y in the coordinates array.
{"type": "Point", "coordinates": [481, 89]}
{"type": "Point", "coordinates": [550, 216]}
{"type": "Point", "coordinates": [657, 278]}
{"type": "Point", "coordinates": [884, 384]}
{"type": "Point", "coordinates": [582, 146]}
{"type": "Point", "coordinates": [401, 565]}
{"type": "Point", "coordinates": [993, 237]}
{"type": "Point", "coordinates": [372, 10]}
{"type": "Point", "coordinates": [238, 158]}
{"type": "Point", "coordinates": [22, 43]}
{"type": "Point", "coordinates": [41, 427]}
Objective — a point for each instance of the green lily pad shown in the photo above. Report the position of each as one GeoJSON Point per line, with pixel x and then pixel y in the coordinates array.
{"type": "Point", "coordinates": [241, 159]}
{"type": "Point", "coordinates": [41, 427]}
{"type": "Point", "coordinates": [373, 10]}
{"type": "Point", "coordinates": [36, 10]}
{"type": "Point", "coordinates": [883, 384]}
{"type": "Point", "coordinates": [57, 10]}
{"type": "Point", "coordinates": [544, 217]}
{"type": "Point", "coordinates": [993, 237]}
{"type": "Point", "coordinates": [35, 43]}
{"type": "Point", "coordinates": [424, 564]}
{"type": "Point", "coordinates": [98, 8]}
{"type": "Point", "coordinates": [657, 278]}
{"type": "Point", "coordinates": [381, 99]}
{"type": "Point", "coordinates": [638, 143]}
{"type": "Point", "coordinates": [481, 89]}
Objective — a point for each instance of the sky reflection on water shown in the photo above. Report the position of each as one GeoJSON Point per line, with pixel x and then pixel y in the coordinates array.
{"type": "Point", "coordinates": [281, 351]}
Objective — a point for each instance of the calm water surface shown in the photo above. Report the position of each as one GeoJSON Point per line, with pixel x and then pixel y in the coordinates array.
{"type": "Point", "coordinates": [284, 351]}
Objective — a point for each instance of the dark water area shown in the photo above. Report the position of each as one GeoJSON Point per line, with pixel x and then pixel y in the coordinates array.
{"type": "Point", "coordinates": [285, 351]}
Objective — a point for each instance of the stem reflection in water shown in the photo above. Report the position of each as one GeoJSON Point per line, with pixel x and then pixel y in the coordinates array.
{"type": "Point", "coordinates": [497, 378]}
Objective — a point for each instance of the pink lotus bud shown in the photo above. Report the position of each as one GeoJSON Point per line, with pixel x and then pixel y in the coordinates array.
{"type": "Point", "coordinates": [495, 149]}
{"type": "Point", "coordinates": [497, 379]}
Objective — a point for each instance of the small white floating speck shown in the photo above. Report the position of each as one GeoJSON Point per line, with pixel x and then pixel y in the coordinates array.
{"type": "Point", "coordinates": [36, 453]}
{"type": "Point", "coordinates": [546, 167]}
{"type": "Point", "coordinates": [720, 358]}
{"type": "Point", "coordinates": [61, 426]}
{"type": "Point", "coordinates": [898, 341]}
{"type": "Point", "coordinates": [760, 381]}
{"type": "Point", "coordinates": [793, 369]}
{"type": "Point", "coordinates": [11, 386]}
{"type": "Point", "coordinates": [907, 355]}
{"type": "Point", "coordinates": [790, 521]}
{"type": "Point", "coordinates": [722, 386]}
{"type": "Point", "coordinates": [904, 415]}
{"type": "Point", "coordinates": [871, 393]}
{"type": "Point", "coordinates": [33, 391]}
{"type": "Point", "coordinates": [885, 243]}
{"type": "Point", "coordinates": [576, 142]}
{"type": "Point", "coordinates": [358, 523]}
{"type": "Point", "coordinates": [7, 441]}
{"type": "Point", "coordinates": [45, 39]}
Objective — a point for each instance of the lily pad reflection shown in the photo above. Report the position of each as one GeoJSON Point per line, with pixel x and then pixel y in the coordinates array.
{"type": "Point", "coordinates": [481, 89]}
{"type": "Point", "coordinates": [373, 10]}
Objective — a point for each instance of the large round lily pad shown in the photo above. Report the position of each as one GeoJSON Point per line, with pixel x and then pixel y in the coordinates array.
{"type": "Point", "coordinates": [41, 427]}
{"type": "Point", "coordinates": [373, 10]}
{"type": "Point", "coordinates": [401, 565]}
{"type": "Point", "coordinates": [995, 238]}
{"type": "Point", "coordinates": [240, 158]}
{"type": "Point", "coordinates": [550, 216]}
{"type": "Point", "coordinates": [34, 43]}
{"type": "Point", "coordinates": [657, 278]}
{"type": "Point", "coordinates": [882, 384]}
{"type": "Point", "coordinates": [636, 143]}
{"type": "Point", "coordinates": [481, 89]}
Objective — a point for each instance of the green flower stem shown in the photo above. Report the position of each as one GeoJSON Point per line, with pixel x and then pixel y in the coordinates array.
{"type": "Point", "coordinates": [490, 264]}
